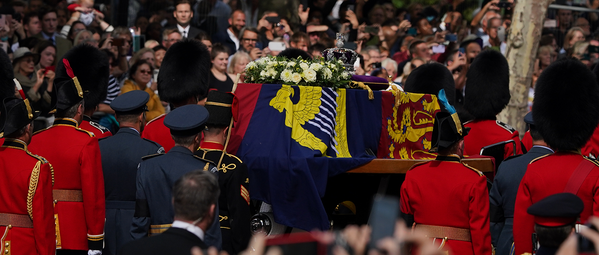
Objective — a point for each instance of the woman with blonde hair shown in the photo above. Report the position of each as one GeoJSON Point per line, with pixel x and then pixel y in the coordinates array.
{"type": "Point", "coordinates": [82, 36]}
{"type": "Point", "coordinates": [146, 54]}
{"type": "Point", "coordinates": [574, 35]}
{"type": "Point", "coordinates": [237, 65]}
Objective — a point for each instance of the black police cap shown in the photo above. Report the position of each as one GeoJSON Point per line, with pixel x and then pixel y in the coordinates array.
{"type": "Point", "coordinates": [132, 102]}
{"type": "Point", "coordinates": [16, 114]}
{"type": "Point", "coordinates": [557, 210]}
{"type": "Point", "coordinates": [186, 120]}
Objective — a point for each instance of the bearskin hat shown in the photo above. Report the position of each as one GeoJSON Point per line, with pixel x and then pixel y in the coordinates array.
{"type": "Point", "coordinates": [7, 85]}
{"type": "Point", "coordinates": [487, 85]}
{"type": "Point", "coordinates": [429, 79]}
{"type": "Point", "coordinates": [220, 106]}
{"type": "Point", "coordinates": [184, 72]}
{"type": "Point", "coordinates": [90, 66]}
{"type": "Point", "coordinates": [565, 109]}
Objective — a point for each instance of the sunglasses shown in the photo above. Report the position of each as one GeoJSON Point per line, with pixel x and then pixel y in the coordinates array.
{"type": "Point", "coordinates": [145, 71]}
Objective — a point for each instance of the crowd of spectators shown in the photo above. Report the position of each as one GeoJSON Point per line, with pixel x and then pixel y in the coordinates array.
{"type": "Point", "coordinates": [391, 41]}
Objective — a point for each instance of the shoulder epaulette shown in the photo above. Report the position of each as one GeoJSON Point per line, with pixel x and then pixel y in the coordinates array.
{"type": "Point", "coordinates": [473, 169]}
{"type": "Point", "coordinates": [532, 161]}
{"type": "Point", "coordinates": [43, 161]}
{"type": "Point", "coordinates": [203, 159]}
{"type": "Point", "coordinates": [594, 161]}
{"type": "Point", "coordinates": [85, 131]}
{"type": "Point", "coordinates": [220, 151]}
{"type": "Point", "coordinates": [102, 129]}
{"type": "Point", "coordinates": [41, 130]}
{"type": "Point", "coordinates": [506, 126]}
{"type": "Point", "coordinates": [103, 138]}
{"type": "Point", "coordinates": [418, 164]}
{"type": "Point", "coordinates": [155, 143]}
{"type": "Point", "coordinates": [151, 156]}
{"type": "Point", "coordinates": [160, 116]}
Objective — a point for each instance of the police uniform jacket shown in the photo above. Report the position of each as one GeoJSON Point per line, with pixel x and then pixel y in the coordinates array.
{"type": "Point", "coordinates": [156, 131]}
{"type": "Point", "coordinates": [503, 197]}
{"type": "Point", "coordinates": [546, 176]}
{"type": "Point", "coordinates": [447, 193]}
{"type": "Point", "coordinates": [234, 197]}
{"type": "Point", "coordinates": [121, 154]}
{"type": "Point", "coordinates": [156, 177]}
{"type": "Point", "coordinates": [78, 183]}
{"type": "Point", "coordinates": [486, 132]}
{"type": "Point", "coordinates": [172, 241]}
{"type": "Point", "coordinates": [26, 182]}
{"type": "Point", "coordinates": [91, 126]}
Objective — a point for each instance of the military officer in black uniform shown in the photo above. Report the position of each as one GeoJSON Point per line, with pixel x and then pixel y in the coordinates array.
{"type": "Point", "coordinates": [233, 179]}
{"type": "Point", "coordinates": [121, 155]}
{"type": "Point", "coordinates": [157, 174]}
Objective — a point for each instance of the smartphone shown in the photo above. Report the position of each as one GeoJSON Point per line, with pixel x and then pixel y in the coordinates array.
{"type": "Point", "coordinates": [593, 49]}
{"type": "Point", "coordinates": [585, 245]}
{"type": "Point", "coordinates": [276, 46]}
{"type": "Point", "coordinates": [118, 42]}
{"type": "Point", "coordinates": [462, 50]}
{"type": "Point", "coordinates": [136, 43]}
{"type": "Point", "coordinates": [17, 17]}
{"type": "Point", "coordinates": [371, 30]}
{"type": "Point", "coordinates": [439, 49]}
{"type": "Point", "coordinates": [412, 31]}
{"type": "Point", "coordinates": [376, 65]}
{"type": "Point", "coordinates": [504, 4]}
{"type": "Point", "coordinates": [383, 215]}
{"type": "Point", "coordinates": [451, 37]}
{"type": "Point", "coordinates": [351, 45]}
{"type": "Point", "coordinates": [273, 20]}
{"type": "Point", "coordinates": [550, 23]}
{"type": "Point", "coordinates": [351, 7]}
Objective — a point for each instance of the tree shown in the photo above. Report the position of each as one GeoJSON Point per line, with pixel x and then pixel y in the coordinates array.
{"type": "Point", "coordinates": [522, 45]}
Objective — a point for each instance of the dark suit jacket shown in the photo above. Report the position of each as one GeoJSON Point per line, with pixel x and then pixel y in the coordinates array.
{"type": "Point", "coordinates": [193, 31]}
{"type": "Point", "coordinates": [223, 38]}
{"type": "Point", "coordinates": [172, 241]}
{"type": "Point", "coordinates": [62, 46]}
{"type": "Point", "coordinates": [503, 197]}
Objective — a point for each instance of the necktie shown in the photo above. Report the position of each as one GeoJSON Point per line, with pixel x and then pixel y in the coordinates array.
{"type": "Point", "coordinates": [51, 40]}
{"type": "Point", "coordinates": [184, 34]}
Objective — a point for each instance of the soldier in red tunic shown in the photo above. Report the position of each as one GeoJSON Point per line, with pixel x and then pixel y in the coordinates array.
{"type": "Point", "coordinates": [565, 113]}
{"type": "Point", "coordinates": [94, 83]}
{"type": "Point", "coordinates": [487, 93]}
{"type": "Point", "coordinates": [447, 198]}
{"type": "Point", "coordinates": [182, 80]}
{"type": "Point", "coordinates": [26, 210]}
{"type": "Point", "coordinates": [79, 184]}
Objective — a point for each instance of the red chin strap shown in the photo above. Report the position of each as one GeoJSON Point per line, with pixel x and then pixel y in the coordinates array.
{"type": "Point", "coordinates": [67, 66]}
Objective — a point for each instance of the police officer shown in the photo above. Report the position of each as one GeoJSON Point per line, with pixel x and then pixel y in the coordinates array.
{"type": "Point", "coordinates": [555, 219]}
{"type": "Point", "coordinates": [26, 211]}
{"type": "Point", "coordinates": [78, 181]}
{"type": "Point", "coordinates": [505, 188]}
{"type": "Point", "coordinates": [157, 174]}
{"type": "Point", "coordinates": [447, 198]}
{"type": "Point", "coordinates": [121, 155]}
{"type": "Point", "coordinates": [233, 178]}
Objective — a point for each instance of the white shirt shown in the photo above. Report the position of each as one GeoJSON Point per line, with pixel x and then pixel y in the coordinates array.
{"type": "Point", "coordinates": [191, 228]}
{"type": "Point", "coordinates": [233, 38]}
{"type": "Point", "coordinates": [184, 31]}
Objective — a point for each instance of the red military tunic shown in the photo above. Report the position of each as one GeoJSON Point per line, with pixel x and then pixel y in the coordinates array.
{"type": "Point", "coordinates": [26, 182]}
{"type": "Point", "coordinates": [546, 176]}
{"type": "Point", "coordinates": [99, 131]}
{"type": "Point", "coordinates": [592, 146]}
{"type": "Point", "coordinates": [487, 132]}
{"type": "Point", "coordinates": [527, 141]}
{"type": "Point", "coordinates": [445, 192]}
{"type": "Point", "coordinates": [75, 155]}
{"type": "Point", "coordinates": [156, 131]}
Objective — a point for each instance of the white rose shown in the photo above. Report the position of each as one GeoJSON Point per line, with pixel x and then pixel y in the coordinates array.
{"type": "Point", "coordinates": [310, 75]}
{"type": "Point", "coordinates": [263, 73]}
{"type": "Point", "coordinates": [286, 75]}
{"type": "Point", "coordinates": [304, 66]}
{"type": "Point", "coordinates": [273, 73]}
{"type": "Point", "coordinates": [291, 64]}
{"type": "Point", "coordinates": [327, 73]}
{"type": "Point", "coordinates": [296, 78]}
{"type": "Point", "coordinates": [315, 66]}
